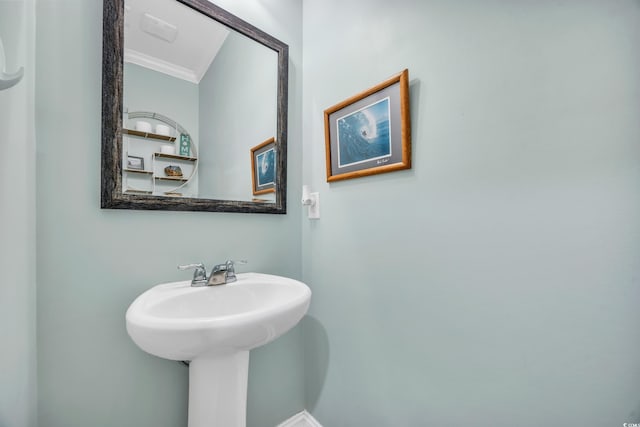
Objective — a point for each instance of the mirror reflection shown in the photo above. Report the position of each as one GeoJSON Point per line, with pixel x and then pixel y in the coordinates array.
{"type": "Point", "coordinates": [216, 84]}
{"type": "Point", "coordinates": [194, 109]}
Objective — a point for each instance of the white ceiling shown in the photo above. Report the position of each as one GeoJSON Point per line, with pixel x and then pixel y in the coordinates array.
{"type": "Point", "coordinates": [197, 38]}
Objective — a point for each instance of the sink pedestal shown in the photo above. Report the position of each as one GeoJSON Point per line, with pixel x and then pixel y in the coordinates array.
{"type": "Point", "coordinates": [218, 390]}
{"type": "Point", "coordinates": [215, 327]}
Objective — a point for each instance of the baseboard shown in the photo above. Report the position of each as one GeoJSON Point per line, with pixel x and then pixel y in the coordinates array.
{"type": "Point", "coordinates": [302, 419]}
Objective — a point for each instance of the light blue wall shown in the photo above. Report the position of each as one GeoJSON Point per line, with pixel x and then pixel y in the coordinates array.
{"type": "Point", "coordinates": [177, 99]}
{"type": "Point", "coordinates": [238, 110]}
{"type": "Point", "coordinates": [92, 263]}
{"type": "Point", "coordinates": [17, 221]}
{"type": "Point", "coordinates": [497, 282]}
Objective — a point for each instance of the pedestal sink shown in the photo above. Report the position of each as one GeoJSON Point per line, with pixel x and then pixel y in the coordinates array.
{"type": "Point", "coordinates": [214, 327]}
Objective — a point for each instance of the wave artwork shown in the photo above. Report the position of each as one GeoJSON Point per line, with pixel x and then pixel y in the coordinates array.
{"type": "Point", "coordinates": [266, 165]}
{"type": "Point", "coordinates": [364, 135]}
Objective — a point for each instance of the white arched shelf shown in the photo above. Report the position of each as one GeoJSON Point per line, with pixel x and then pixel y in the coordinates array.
{"type": "Point", "coordinates": [8, 80]}
{"type": "Point", "coordinates": [161, 184]}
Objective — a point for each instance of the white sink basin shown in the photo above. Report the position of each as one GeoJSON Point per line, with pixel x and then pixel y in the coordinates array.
{"type": "Point", "coordinates": [180, 322]}
{"type": "Point", "coordinates": [214, 327]}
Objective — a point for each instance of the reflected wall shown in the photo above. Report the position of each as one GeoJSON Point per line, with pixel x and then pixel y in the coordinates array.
{"type": "Point", "coordinates": [237, 112]}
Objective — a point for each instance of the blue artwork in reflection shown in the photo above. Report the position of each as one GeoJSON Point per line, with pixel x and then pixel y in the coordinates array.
{"type": "Point", "coordinates": [364, 135]}
{"type": "Point", "coordinates": [266, 167]}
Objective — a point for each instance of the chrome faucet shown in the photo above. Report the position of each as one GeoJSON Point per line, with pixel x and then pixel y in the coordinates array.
{"type": "Point", "coordinates": [220, 273]}
{"type": "Point", "coordinates": [199, 273]}
{"type": "Point", "coordinates": [224, 273]}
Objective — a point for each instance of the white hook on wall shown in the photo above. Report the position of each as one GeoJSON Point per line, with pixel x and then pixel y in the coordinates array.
{"type": "Point", "coordinates": [8, 80]}
{"type": "Point", "coordinates": [312, 200]}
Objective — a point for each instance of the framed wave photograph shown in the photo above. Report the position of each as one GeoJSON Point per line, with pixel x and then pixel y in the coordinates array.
{"type": "Point", "coordinates": [263, 167]}
{"type": "Point", "coordinates": [369, 133]}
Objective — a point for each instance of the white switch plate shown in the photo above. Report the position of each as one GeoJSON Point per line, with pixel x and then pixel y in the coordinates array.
{"type": "Point", "coordinates": [314, 208]}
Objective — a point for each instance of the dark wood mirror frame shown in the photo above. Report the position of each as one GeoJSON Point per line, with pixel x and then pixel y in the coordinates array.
{"type": "Point", "coordinates": [112, 196]}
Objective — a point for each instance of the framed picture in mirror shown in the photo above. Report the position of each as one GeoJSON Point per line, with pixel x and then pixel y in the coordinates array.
{"type": "Point", "coordinates": [369, 133]}
{"type": "Point", "coordinates": [263, 167]}
{"type": "Point", "coordinates": [135, 163]}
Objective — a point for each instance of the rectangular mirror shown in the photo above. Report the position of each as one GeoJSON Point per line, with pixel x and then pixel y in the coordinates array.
{"type": "Point", "coordinates": [190, 92]}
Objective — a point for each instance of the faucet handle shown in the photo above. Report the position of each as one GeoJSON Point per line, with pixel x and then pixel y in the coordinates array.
{"type": "Point", "coordinates": [225, 272]}
{"type": "Point", "coordinates": [232, 263]}
{"type": "Point", "coordinates": [231, 269]}
{"type": "Point", "coordinates": [228, 265]}
{"type": "Point", "coordinates": [199, 275]}
{"type": "Point", "coordinates": [190, 266]}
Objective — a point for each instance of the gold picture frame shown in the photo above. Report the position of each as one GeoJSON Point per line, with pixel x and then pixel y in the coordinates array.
{"type": "Point", "coordinates": [369, 133]}
{"type": "Point", "coordinates": [263, 167]}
